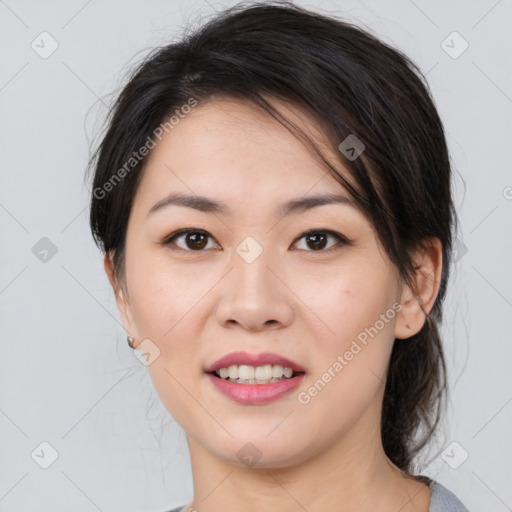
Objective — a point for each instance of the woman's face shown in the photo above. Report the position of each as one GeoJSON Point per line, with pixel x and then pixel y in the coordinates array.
{"type": "Point", "coordinates": [253, 282]}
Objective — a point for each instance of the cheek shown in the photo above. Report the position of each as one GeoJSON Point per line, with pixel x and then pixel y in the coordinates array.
{"type": "Point", "coordinates": [353, 355]}
{"type": "Point", "coordinates": [349, 300]}
{"type": "Point", "coordinates": [166, 308]}
{"type": "Point", "coordinates": [163, 296]}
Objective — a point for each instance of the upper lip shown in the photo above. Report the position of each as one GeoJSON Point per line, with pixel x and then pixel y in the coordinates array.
{"type": "Point", "coordinates": [246, 358]}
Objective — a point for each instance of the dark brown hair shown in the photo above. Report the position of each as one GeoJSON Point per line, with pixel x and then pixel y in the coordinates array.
{"type": "Point", "coordinates": [352, 84]}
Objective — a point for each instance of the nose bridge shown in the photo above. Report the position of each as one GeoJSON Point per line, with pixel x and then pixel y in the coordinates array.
{"type": "Point", "coordinates": [251, 273]}
{"type": "Point", "coordinates": [253, 296]}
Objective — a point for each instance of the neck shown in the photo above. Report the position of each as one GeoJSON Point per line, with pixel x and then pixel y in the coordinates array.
{"type": "Point", "coordinates": [352, 473]}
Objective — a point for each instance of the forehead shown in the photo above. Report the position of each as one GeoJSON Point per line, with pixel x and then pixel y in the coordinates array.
{"type": "Point", "coordinates": [232, 149]}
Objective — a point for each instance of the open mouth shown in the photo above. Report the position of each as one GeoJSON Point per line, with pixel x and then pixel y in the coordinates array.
{"type": "Point", "coordinates": [251, 385]}
{"type": "Point", "coordinates": [244, 374]}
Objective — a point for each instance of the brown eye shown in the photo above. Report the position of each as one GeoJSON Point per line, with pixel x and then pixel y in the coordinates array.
{"type": "Point", "coordinates": [317, 240]}
{"type": "Point", "coordinates": [194, 240]}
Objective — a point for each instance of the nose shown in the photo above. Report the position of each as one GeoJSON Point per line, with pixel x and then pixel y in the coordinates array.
{"type": "Point", "coordinates": [254, 296]}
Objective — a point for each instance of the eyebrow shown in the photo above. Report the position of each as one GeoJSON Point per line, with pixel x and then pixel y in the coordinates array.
{"type": "Point", "coordinates": [207, 205]}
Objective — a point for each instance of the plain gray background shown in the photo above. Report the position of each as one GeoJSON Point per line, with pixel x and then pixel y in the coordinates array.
{"type": "Point", "coordinates": [68, 378]}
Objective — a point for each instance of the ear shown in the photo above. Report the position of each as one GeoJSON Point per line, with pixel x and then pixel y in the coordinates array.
{"type": "Point", "coordinates": [416, 304]}
{"type": "Point", "coordinates": [122, 299]}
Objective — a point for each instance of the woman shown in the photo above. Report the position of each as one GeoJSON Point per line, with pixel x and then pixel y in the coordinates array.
{"type": "Point", "coordinates": [273, 199]}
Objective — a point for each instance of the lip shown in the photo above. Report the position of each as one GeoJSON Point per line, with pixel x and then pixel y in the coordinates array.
{"type": "Point", "coordinates": [255, 393]}
{"type": "Point", "coordinates": [246, 358]}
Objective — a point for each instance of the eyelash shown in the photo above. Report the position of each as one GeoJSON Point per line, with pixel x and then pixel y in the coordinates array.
{"type": "Point", "coordinates": [341, 240]}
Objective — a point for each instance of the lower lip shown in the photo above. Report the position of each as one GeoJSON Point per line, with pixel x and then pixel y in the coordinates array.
{"type": "Point", "coordinates": [255, 393]}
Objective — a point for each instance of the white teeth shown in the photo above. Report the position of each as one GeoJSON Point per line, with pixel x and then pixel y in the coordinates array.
{"type": "Point", "coordinates": [233, 371]}
{"type": "Point", "coordinates": [252, 375]}
{"type": "Point", "coordinates": [223, 373]}
{"type": "Point", "coordinates": [245, 372]}
{"type": "Point", "coordinates": [254, 381]}
{"type": "Point", "coordinates": [277, 371]}
{"type": "Point", "coordinates": [261, 373]}
{"type": "Point", "coordinates": [288, 372]}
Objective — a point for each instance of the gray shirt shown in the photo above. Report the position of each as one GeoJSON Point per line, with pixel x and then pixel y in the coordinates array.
{"type": "Point", "coordinates": [442, 500]}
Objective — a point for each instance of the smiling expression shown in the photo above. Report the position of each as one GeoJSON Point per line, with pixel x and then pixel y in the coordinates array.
{"type": "Point", "coordinates": [227, 178]}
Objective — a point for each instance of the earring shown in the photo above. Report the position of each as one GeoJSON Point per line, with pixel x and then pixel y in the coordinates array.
{"type": "Point", "coordinates": [130, 341]}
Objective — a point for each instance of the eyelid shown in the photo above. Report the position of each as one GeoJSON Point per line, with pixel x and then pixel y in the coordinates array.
{"type": "Point", "coordinates": [342, 240]}
{"type": "Point", "coordinates": [176, 234]}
